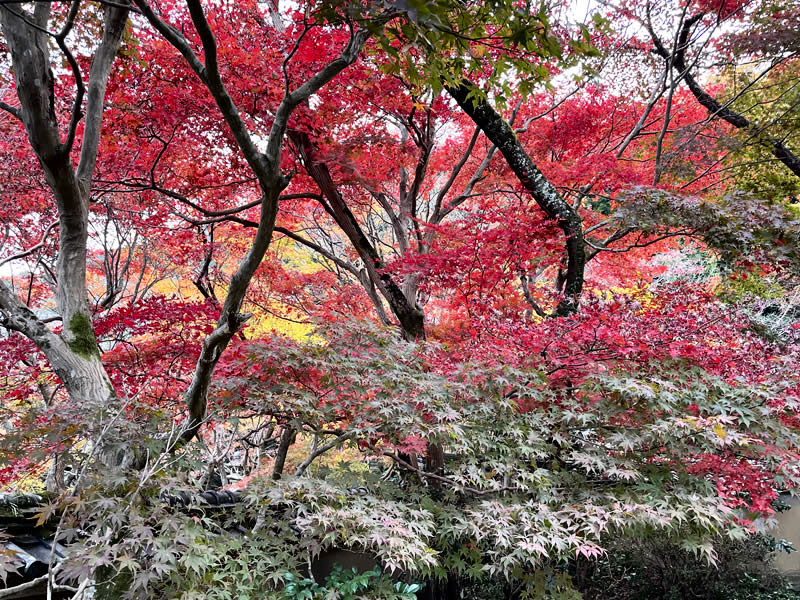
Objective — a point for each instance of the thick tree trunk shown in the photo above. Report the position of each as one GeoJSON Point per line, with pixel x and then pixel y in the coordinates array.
{"type": "Point", "coordinates": [543, 192]}
{"type": "Point", "coordinates": [409, 315]}
{"type": "Point", "coordinates": [74, 355]}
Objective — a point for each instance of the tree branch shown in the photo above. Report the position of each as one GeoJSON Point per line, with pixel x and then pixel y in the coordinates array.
{"type": "Point", "coordinates": [76, 74]}
{"type": "Point", "coordinates": [32, 249]}
{"type": "Point", "coordinates": [316, 452]}
{"type": "Point", "coordinates": [410, 317]}
{"type": "Point", "coordinates": [115, 20]}
{"type": "Point", "coordinates": [715, 108]}
{"type": "Point", "coordinates": [523, 279]}
{"type": "Point", "coordinates": [15, 112]}
{"type": "Point", "coordinates": [543, 192]}
{"type": "Point", "coordinates": [453, 175]}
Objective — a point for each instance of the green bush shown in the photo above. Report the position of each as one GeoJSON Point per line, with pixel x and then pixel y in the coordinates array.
{"type": "Point", "coordinates": [349, 585]}
{"type": "Point", "coordinates": [652, 569]}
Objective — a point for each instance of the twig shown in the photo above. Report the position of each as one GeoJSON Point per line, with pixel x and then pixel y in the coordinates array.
{"type": "Point", "coordinates": [450, 482]}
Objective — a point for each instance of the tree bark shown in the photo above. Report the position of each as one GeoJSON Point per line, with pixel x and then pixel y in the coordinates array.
{"type": "Point", "coordinates": [288, 438]}
{"type": "Point", "coordinates": [543, 192]}
{"type": "Point", "coordinates": [74, 355]}
{"type": "Point", "coordinates": [409, 315]}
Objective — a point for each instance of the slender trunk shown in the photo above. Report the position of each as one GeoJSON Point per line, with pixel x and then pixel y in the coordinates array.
{"type": "Point", "coordinates": [265, 166]}
{"type": "Point", "coordinates": [231, 319]}
{"type": "Point", "coordinates": [287, 439]}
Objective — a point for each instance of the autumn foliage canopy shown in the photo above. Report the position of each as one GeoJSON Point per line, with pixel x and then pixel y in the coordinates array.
{"type": "Point", "coordinates": [525, 277]}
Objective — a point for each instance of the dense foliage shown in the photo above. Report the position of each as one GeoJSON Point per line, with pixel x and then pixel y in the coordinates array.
{"type": "Point", "coordinates": [489, 294]}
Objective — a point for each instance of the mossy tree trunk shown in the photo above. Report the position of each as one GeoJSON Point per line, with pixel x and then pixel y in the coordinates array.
{"type": "Point", "coordinates": [73, 354]}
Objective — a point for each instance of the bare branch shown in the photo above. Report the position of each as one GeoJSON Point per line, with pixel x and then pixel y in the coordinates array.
{"type": "Point", "coordinates": [15, 112]}
{"type": "Point", "coordinates": [318, 249]}
{"type": "Point", "coordinates": [80, 89]}
{"type": "Point", "coordinates": [13, 592]}
{"type": "Point", "coordinates": [477, 176]}
{"type": "Point", "coordinates": [715, 108]}
{"type": "Point", "coordinates": [32, 249]}
{"type": "Point", "coordinates": [317, 452]}
{"type": "Point", "coordinates": [453, 175]}
{"type": "Point", "coordinates": [523, 278]}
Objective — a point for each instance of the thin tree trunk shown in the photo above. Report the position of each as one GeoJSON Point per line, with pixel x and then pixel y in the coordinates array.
{"type": "Point", "coordinates": [287, 439]}
{"type": "Point", "coordinates": [410, 316]}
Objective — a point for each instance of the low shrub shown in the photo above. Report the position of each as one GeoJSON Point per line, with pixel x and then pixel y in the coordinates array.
{"type": "Point", "coordinates": [651, 569]}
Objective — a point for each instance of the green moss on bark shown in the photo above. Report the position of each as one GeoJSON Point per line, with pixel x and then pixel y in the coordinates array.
{"type": "Point", "coordinates": [83, 341]}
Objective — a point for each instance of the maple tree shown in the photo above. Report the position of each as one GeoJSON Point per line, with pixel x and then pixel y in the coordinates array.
{"type": "Point", "coordinates": [575, 292]}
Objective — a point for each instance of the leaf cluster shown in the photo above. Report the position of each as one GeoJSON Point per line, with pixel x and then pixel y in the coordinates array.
{"type": "Point", "coordinates": [349, 585]}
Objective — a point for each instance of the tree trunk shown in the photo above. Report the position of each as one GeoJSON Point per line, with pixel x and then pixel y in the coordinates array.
{"type": "Point", "coordinates": [409, 315]}
{"type": "Point", "coordinates": [74, 355]}
{"type": "Point", "coordinates": [287, 439]}
{"type": "Point", "coordinates": [543, 192]}
{"type": "Point", "coordinates": [442, 589]}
